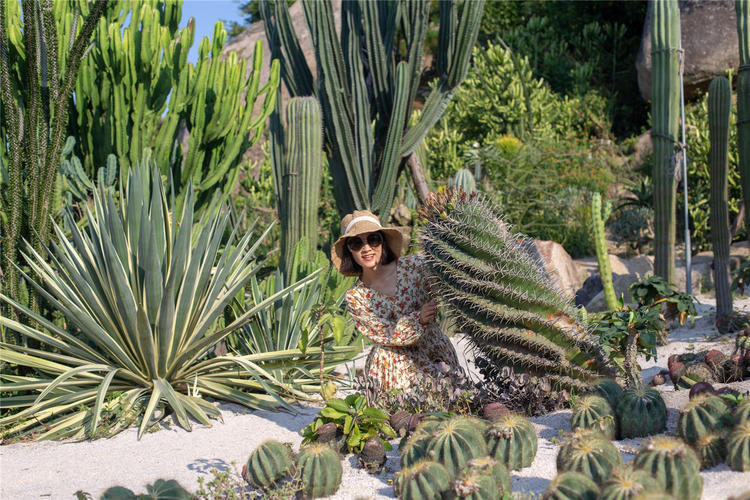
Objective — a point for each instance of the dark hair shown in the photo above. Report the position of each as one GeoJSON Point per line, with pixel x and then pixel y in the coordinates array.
{"type": "Point", "coordinates": [350, 268]}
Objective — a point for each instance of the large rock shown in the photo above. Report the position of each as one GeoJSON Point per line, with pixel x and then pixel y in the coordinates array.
{"type": "Point", "coordinates": [709, 38]}
{"type": "Point", "coordinates": [559, 266]}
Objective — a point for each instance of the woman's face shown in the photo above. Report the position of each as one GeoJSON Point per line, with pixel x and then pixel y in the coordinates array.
{"type": "Point", "coordinates": [370, 254]}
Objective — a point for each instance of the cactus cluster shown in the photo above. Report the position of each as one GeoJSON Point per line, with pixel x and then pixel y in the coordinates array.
{"type": "Point", "coordinates": [594, 412]}
{"type": "Point", "coordinates": [626, 482]}
{"type": "Point", "coordinates": [702, 415]}
{"type": "Point", "coordinates": [501, 296]}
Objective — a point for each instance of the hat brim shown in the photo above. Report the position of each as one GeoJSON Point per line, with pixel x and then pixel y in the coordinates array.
{"type": "Point", "coordinates": [393, 238]}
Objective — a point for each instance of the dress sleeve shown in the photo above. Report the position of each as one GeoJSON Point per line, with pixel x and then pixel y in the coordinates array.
{"type": "Point", "coordinates": [403, 332]}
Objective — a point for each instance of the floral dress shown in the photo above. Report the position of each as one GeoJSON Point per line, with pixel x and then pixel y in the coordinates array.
{"type": "Point", "coordinates": [403, 347]}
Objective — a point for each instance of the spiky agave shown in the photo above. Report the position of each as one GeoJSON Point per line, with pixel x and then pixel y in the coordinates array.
{"type": "Point", "coordinates": [501, 296]}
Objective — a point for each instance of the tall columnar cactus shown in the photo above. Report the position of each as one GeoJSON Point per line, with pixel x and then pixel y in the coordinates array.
{"type": "Point", "coordinates": [501, 297]}
{"type": "Point", "coordinates": [365, 94]}
{"type": "Point", "coordinates": [598, 218]}
{"type": "Point", "coordinates": [296, 160]}
{"type": "Point", "coordinates": [742, 7]}
{"type": "Point", "coordinates": [464, 180]}
{"type": "Point", "coordinates": [665, 114]}
{"type": "Point", "coordinates": [719, 104]}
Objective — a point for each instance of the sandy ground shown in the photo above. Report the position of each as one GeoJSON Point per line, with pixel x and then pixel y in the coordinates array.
{"type": "Point", "coordinates": [56, 470]}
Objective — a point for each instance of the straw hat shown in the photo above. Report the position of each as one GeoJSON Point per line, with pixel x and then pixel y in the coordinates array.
{"type": "Point", "coordinates": [363, 221]}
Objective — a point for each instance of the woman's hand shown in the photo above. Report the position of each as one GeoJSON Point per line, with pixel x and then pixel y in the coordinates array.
{"type": "Point", "coordinates": [428, 312]}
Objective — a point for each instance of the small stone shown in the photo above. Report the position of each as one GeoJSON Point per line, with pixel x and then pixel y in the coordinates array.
{"type": "Point", "coordinates": [494, 410]}
{"type": "Point", "coordinates": [658, 379]}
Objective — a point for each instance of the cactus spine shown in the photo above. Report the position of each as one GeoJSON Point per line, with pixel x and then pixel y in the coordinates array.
{"type": "Point", "coordinates": [590, 453]}
{"type": "Point", "coordinates": [702, 414]}
{"type": "Point", "coordinates": [738, 447]}
{"type": "Point", "coordinates": [456, 441]}
{"type": "Point", "coordinates": [320, 469]}
{"type": "Point", "coordinates": [719, 104]}
{"type": "Point", "coordinates": [627, 482]}
{"type": "Point", "coordinates": [270, 461]}
{"type": "Point", "coordinates": [424, 480]}
{"type": "Point", "coordinates": [665, 113]}
{"type": "Point", "coordinates": [742, 7]}
{"type": "Point", "coordinates": [598, 218]}
{"type": "Point", "coordinates": [571, 486]}
{"type": "Point", "coordinates": [297, 174]}
{"type": "Point", "coordinates": [512, 440]}
{"type": "Point", "coordinates": [641, 412]}
{"type": "Point", "coordinates": [594, 412]}
{"type": "Point", "coordinates": [674, 464]}
{"type": "Point", "coordinates": [711, 449]}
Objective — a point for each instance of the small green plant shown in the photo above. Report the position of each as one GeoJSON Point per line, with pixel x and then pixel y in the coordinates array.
{"type": "Point", "coordinates": [653, 291]}
{"type": "Point", "coordinates": [741, 277]}
{"type": "Point", "coordinates": [613, 329]}
{"type": "Point", "coordinates": [358, 422]}
{"type": "Point", "coordinates": [230, 485]}
{"type": "Point", "coordinates": [160, 490]}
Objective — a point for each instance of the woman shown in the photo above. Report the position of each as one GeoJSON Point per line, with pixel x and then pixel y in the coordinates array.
{"type": "Point", "coordinates": [391, 304]}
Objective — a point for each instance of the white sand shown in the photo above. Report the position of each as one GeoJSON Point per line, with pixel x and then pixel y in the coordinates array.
{"type": "Point", "coordinates": [56, 470]}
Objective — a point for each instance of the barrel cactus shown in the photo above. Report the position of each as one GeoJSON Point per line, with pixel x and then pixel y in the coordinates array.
{"type": "Point", "coordinates": [674, 464]}
{"type": "Point", "coordinates": [594, 412]}
{"type": "Point", "coordinates": [424, 480]}
{"type": "Point", "coordinates": [512, 440]}
{"type": "Point", "coordinates": [610, 390]}
{"type": "Point", "coordinates": [268, 463]}
{"type": "Point", "coordinates": [464, 180]}
{"type": "Point", "coordinates": [738, 447]}
{"type": "Point", "coordinates": [701, 415]}
{"type": "Point", "coordinates": [501, 296]}
{"type": "Point", "coordinates": [626, 482]}
{"type": "Point", "coordinates": [641, 412]}
{"type": "Point", "coordinates": [711, 449]}
{"type": "Point", "coordinates": [496, 469]}
{"type": "Point", "coordinates": [474, 484]}
{"type": "Point", "coordinates": [320, 470]}
{"type": "Point", "coordinates": [590, 453]}
{"type": "Point", "coordinates": [741, 412]}
{"type": "Point", "coordinates": [571, 486]}
{"type": "Point", "coordinates": [456, 441]}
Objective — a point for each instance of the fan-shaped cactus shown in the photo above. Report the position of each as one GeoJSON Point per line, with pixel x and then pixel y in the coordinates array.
{"type": "Point", "coordinates": [741, 412]}
{"type": "Point", "coordinates": [594, 412]}
{"type": "Point", "coordinates": [424, 480]}
{"type": "Point", "coordinates": [641, 412]}
{"type": "Point", "coordinates": [464, 180]}
{"type": "Point", "coordinates": [501, 296]}
{"type": "Point", "coordinates": [701, 415]}
{"type": "Point", "coordinates": [320, 469]}
{"type": "Point", "coordinates": [494, 468]}
{"type": "Point", "coordinates": [270, 461]}
{"type": "Point", "coordinates": [674, 464]}
{"type": "Point", "coordinates": [589, 452]}
{"type": "Point", "coordinates": [610, 390]}
{"type": "Point", "coordinates": [711, 449]}
{"type": "Point", "coordinates": [512, 441]}
{"type": "Point", "coordinates": [626, 482]}
{"type": "Point", "coordinates": [738, 447]}
{"type": "Point", "coordinates": [571, 486]}
{"type": "Point", "coordinates": [456, 441]}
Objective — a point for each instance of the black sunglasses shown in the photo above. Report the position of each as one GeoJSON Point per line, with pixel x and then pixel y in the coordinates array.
{"type": "Point", "coordinates": [373, 239]}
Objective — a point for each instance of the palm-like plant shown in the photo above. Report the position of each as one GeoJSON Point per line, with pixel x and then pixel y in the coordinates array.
{"type": "Point", "coordinates": [141, 292]}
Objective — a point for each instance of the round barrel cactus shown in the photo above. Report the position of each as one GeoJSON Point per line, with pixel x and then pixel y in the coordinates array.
{"type": "Point", "coordinates": [610, 390]}
{"type": "Point", "coordinates": [413, 449]}
{"type": "Point", "coordinates": [320, 469]}
{"type": "Point", "coordinates": [641, 412]}
{"type": "Point", "coordinates": [741, 412]}
{"type": "Point", "coordinates": [512, 440]}
{"type": "Point", "coordinates": [571, 486]}
{"type": "Point", "coordinates": [626, 482]}
{"type": "Point", "coordinates": [701, 415]}
{"type": "Point", "coordinates": [654, 495]}
{"type": "Point", "coordinates": [425, 480]}
{"type": "Point", "coordinates": [590, 453]}
{"type": "Point", "coordinates": [738, 447]}
{"type": "Point", "coordinates": [711, 449]}
{"type": "Point", "coordinates": [496, 469]}
{"type": "Point", "coordinates": [474, 484]}
{"type": "Point", "coordinates": [594, 412]}
{"type": "Point", "coordinates": [456, 441]}
{"type": "Point", "coordinates": [268, 463]}
{"type": "Point", "coordinates": [674, 464]}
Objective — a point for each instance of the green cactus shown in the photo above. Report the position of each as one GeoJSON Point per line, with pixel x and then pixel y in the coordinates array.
{"type": "Point", "coordinates": [665, 114]}
{"type": "Point", "coordinates": [674, 464]}
{"type": "Point", "coordinates": [512, 440]}
{"type": "Point", "coordinates": [297, 159]}
{"type": "Point", "coordinates": [456, 441]}
{"type": "Point", "coordinates": [702, 414]}
{"type": "Point", "coordinates": [610, 390]}
{"type": "Point", "coordinates": [598, 218]}
{"type": "Point", "coordinates": [719, 104]}
{"type": "Point", "coordinates": [268, 463]}
{"type": "Point", "coordinates": [160, 490]}
{"type": "Point", "coordinates": [476, 483]}
{"type": "Point", "coordinates": [414, 448]}
{"type": "Point", "coordinates": [626, 482]}
{"type": "Point", "coordinates": [425, 480]}
{"type": "Point", "coordinates": [496, 469]}
{"type": "Point", "coordinates": [589, 452]}
{"type": "Point", "coordinates": [738, 447]}
{"type": "Point", "coordinates": [367, 95]}
{"type": "Point", "coordinates": [742, 7]}
{"type": "Point", "coordinates": [501, 297]}
{"type": "Point", "coordinates": [320, 470]}
{"type": "Point", "coordinates": [641, 412]}
{"type": "Point", "coordinates": [464, 180]}
{"type": "Point", "coordinates": [741, 412]}
{"type": "Point", "coordinates": [711, 449]}
{"type": "Point", "coordinates": [571, 486]}
{"type": "Point", "coordinates": [594, 412]}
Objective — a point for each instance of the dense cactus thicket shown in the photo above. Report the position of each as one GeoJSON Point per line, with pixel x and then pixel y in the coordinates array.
{"type": "Point", "coordinates": [501, 296]}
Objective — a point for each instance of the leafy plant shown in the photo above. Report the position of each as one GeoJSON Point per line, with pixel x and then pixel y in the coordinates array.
{"type": "Point", "coordinates": [653, 291]}
{"type": "Point", "coordinates": [141, 294]}
{"type": "Point", "coordinates": [355, 419]}
{"type": "Point", "coordinates": [741, 277]}
{"type": "Point", "coordinates": [613, 329]}
{"type": "Point", "coordinates": [230, 485]}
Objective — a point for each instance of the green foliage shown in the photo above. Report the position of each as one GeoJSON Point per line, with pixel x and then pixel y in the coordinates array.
{"type": "Point", "coordinates": [741, 277]}
{"type": "Point", "coordinates": [613, 329]}
{"type": "Point", "coordinates": [356, 420]}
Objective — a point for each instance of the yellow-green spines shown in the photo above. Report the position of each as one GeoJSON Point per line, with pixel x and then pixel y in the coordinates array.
{"type": "Point", "coordinates": [711, 449]}
{"type": "Point", "coordinates": [741, 412]}
{"type": "Point", "coordinates": [320, 470]}
{"type": "Point", "coordinates": [425, 480]}
{"type": "Point", "coordinates": [456, 441]}
{"type": "Point", "coordinates": [610, 390]}
{"type": "Point", "coordinates": [571, 486]}
{"type": "Point", "coordinates": [594, 412]}
{"type": "Point", "coordinates": [512, 440]}
{"type": "Point", "coordinates": [641, 412]}
{"type": "Point", "coordinates": [674, 464]}
{"type": "Point", "coordinates": [626, 482]}
{"type": "Point", "coordinates": [701, 415]}
{"type": "Point", "coordinates": [738, 447]}
{"type": "Point", "coordinates": [270, 461]}
{"type": "Point", "coordinates": [590, 453]}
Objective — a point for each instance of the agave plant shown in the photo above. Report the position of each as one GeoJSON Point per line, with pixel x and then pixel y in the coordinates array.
{"type": "Point", "coordinates": [141, 292]}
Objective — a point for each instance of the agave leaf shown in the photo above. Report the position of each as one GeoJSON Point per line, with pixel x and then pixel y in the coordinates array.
{"type": "Point", "coordinates": [68, 374]}
{"type": "Point", "coordinates": [150, 408]}
{"type": "Point", "coordinates": [101, 393]}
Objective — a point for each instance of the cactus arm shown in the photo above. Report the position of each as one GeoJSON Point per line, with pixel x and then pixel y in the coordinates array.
{"type": "Point", "coordinates": [742, 7]}
{"type": "Point", "coordinates": [719, 105]}
{"type": "Point", "coordinates": [415, 17]}
{"type": "Point", "coordinates": [602, 256]}
{"type": "Point", "coordinates": [379, 55]}
{"type": "Point", "coordinates": [446, 42]}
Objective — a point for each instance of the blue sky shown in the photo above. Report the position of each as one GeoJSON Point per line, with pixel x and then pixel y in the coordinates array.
{"type": "Point", "coordinates": [206, 13]}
